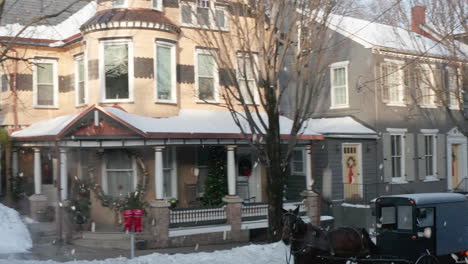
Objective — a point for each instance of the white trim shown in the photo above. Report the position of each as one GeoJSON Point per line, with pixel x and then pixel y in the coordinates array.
{"type": "Point", "coordinates": [159, 5]}
{"type": "Point", "coordinates": [333, 67]}
{"type": "Point", "coordinates": [343, 164]}
{"type": "Point", "coordinates": [434, 155]}
{"type": "Point", "coordinates": [456, 139]}
{"type": "Point", "coordinates": [187, 231]}
{"type": "Point", "coordinates": [102, 73]}
{"type": "Point", "coordinates": [397, 130]}
{"type": "Point", "coordinates": [429, 131]}
{"type": "Point", "coordinates": [215, 73]}
{"type": "Point", "coordinates": [54, 63]}
{"type": "Point", "coordinates": [173, 66]}
{"type": "Point", "coordinates": [85, 89]}
{"type": "Point", "coordinates": [124, 5]}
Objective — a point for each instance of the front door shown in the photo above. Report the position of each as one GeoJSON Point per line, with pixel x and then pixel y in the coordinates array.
{"type": "Point", "coordinates": [455, 166]}
{"type": "Point", "coordinates": [248, 184]}
{"type": "Point", "coordinates": [352, 176]}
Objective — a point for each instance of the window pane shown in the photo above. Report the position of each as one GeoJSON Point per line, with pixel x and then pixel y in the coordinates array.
{"type": "Point", "coordinates": [164, 77]}
{"type": "Point", "coordinates": [425, 217]}
{"type": "Point", "coordinates": [203, 15]}
{"type": "Point", "coordinates": [118, 160]}
{"type": "Point", "coordinates": [167, 183]}
{"type": "Point", "coordinates": [206, 88]}
{"type": "Point", "coordinates": [220, 19]}
{"type": "Point", "coordinates": [119, 183]}
{"type": "Point", "coordinates": [81, 93]}
{"type": "Point", "coordinates": [155, 4]}
{"type": "Point", "coordinates": [340, 95]}
{"type": "Point", "coordinates": [45, 95]}
{"type": "Point", "coordinates": [116, 70]}
{"type": "Point", "coordinates": [339, 76]}
{"type": "Point", "coordinates": [248, 97]}
{"type": "Point", "coordinates": [118, 2]}
{"type": "Point", "coordinates": [405, 217]}
{"type": "Point", "coordinates": [388, 215]}
{"type": "Point", "coordinates": [205, 65]}
{"type": "Point", "coordinates": [80, 70]}
{"type": "Point", "coordinates": [45, 73]}
{"type": "Point", "coordinates": [186, 13]}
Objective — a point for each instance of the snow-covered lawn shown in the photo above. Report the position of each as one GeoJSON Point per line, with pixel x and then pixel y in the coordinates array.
{"type": "Point", "coordinates": [14, 236]}
{"type": "Point", "coordinates": [252, 254]}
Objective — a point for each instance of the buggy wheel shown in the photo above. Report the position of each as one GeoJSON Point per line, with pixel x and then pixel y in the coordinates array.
{"type": "Point", "coordinates": [427, 259]}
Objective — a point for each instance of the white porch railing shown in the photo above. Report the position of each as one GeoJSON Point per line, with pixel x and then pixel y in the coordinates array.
{"type": "Point", "coordinates": [254, 210]}
{"type": "Point", "coordinates": [198, 215]}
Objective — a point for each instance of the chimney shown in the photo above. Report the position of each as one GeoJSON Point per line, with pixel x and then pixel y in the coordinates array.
{"type": "Point", "coordinates": [418, 17]}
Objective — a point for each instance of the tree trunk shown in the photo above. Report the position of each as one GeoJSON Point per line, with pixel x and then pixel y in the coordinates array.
{"type": "Point", "coordinates": [275, 179]}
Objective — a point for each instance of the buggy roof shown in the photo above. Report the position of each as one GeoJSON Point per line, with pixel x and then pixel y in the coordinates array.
{"type": "Point", "coordinates": [430, 198]}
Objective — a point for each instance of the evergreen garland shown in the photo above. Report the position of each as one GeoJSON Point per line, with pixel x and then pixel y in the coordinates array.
{"type": "Point", "coordinates": [216, 184]}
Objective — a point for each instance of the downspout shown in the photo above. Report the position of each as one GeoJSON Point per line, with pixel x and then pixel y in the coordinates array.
{"type": "Point", "coordinates": [14, 90]}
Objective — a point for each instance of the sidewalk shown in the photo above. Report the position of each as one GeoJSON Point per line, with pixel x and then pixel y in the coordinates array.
{"type": "Point", "coordinates": [63, 253]}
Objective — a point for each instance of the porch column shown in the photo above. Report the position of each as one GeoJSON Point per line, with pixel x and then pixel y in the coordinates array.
{"type": "Point", "coordinates": [37, 171]}
{"type": "Point", "coordinates": [158, 173]}
{"type": "Point", "coordinates": [63, 175]}
{"type": "Point", "coordinates": [308, 167]}
{"type": "Point", "coordinates": [14, 163]}
{"type": "Point", "coordinates": [38, 201]}
{"type": "Point", "coordinates": [231, 170]}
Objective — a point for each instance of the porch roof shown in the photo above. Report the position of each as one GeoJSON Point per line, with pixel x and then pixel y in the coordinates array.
{"type": "Point", "coordinates": [190, 123]}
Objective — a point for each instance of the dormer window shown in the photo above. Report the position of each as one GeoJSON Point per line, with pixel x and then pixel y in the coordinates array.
{"type": "Point", "coordinates": [204, 13]}
{"type": "Point", "coordinates": [119, 3]}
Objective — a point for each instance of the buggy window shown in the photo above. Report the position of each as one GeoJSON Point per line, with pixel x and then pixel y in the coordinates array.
{"type": "Point", "coordinates": [425, 217]}
{"type": "Point", "coordinates": [388, 215]}
{"type": "Point", "coordinates": [405, 217]}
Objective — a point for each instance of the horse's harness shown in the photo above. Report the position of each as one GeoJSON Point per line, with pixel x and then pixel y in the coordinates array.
{"type": "Point", "coordinates": [307, 246]}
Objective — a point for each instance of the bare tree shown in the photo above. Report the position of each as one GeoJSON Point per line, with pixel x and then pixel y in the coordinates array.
{"type": "Point", "coordinates": [268, 53]}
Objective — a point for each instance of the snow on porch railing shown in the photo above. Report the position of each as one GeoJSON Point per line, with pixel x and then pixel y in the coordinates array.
{"type": "Point", "coordinates": [256, 211]}
{"type": "Point", "coordinates": [198, 216]}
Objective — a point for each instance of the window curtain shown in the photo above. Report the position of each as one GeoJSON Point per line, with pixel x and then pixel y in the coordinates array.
{"type": "Point", "coordinates": [120, 173]}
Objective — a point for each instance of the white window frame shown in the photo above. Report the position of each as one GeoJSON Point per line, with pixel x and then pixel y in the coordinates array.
{"type": "Point", "coordinates": [433, 133]}
{"type": "Point", "coordinates": [333, 67]}
{"type": "Point", "coordinates": [211, 16]}
{"type": "Point", "coordinates": [401, 86]}
{"type": "Point", "coordinates": [431, 92]}
{"type": "Point", "coordinates": [102, 72]}
{"type": "Point", "coordinates": [105, 186]}
{"type": "Point", "coordinates": [216, 77]}
{"type": "Point", "coordinates": [401, 133]}
{"type": "Point", "coordinates": [124, 5]}
{"type": "Point", "coordinates": [455, 90]}
{"type": "Point", "coordinates": [54, 63]}
{"type": "Point", "coordinates": [82, 58]}
{"type": "Point", "coordinates": [173, 62]}
{"type": "Point", "coordinates": [171, 151]}
{"type": "Point", "coordinates": [246, 57]}
{"type": "Point", "coordinates": [303, 172]}
{"type": "Point", "coordinates": [159, 5]}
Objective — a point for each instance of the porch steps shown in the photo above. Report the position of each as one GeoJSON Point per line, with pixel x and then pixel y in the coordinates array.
{"type": "Point", "coordinates": [117, 240]}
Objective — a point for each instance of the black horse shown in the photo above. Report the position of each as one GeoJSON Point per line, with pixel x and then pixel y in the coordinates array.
{"type": "Point", "coordinates": [310, 244]}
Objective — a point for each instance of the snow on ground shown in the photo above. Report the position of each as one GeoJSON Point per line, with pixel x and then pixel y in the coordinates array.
{"type": "Point", "coordinates": [252, 254]}
{"type": "Point", "coordinates": [14, 236]}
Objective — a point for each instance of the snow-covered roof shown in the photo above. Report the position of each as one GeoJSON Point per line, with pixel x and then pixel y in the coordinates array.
{"type": "Point", "coordinates": [431, 198]}
{"type": "Point", "coordinates": [372, 34]}
{"type": "Point", "coordinates": [63, 28]}
{"type": "Point", "coordinates": [191, 121]}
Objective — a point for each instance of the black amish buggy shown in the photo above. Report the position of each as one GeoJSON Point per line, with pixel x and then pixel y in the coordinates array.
{"type": "Point", "coordinates": [423, 228]}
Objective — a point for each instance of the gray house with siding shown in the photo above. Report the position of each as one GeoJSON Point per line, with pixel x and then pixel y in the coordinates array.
{"type": "Point", "coordinates": [407, 88]}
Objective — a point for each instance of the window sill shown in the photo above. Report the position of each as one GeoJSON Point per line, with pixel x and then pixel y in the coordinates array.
{"type": "Point", "coordinates": [398, 104]}
{"type": "Point", "coordinates": [428, 106]}
{"type": "Point", "coordinates": [431, 179]}
{"type": "Point", "coordinates": [80, 105]}
{"type": "Point", "coordinates": [166, 102]}
{"type": "Point", "coordinates": [339, 107]}
{"type": "Point", "coordinates": [454, 108]}
{"type": "Point", "coordinates": [398, 181]}
{"type": "Point", "coordinates": [203, 27]}
{"type": "Point", "coordinates": [46, 106]}
{"type": "Point", "coordinates": [207, 102]}
{"type": "Point", "coordinates": [116, 101]}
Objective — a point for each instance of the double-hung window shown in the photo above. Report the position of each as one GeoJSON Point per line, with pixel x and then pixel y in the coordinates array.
{"type": "Point", "coordinates": [169, 173]}
{"type": "Point", "coordinates": [397, 156]}
{"type": "Point", "coordinates": [119, 173]}
{"type": "Point", "coordinates": [339, 84]}
{"type": "Point", "coordinates": [165, 72]}
{"type": "Point", "coordinates": [393, 83]}
{"type": "Point", "coordinates": [246, 78]}
{"type": "Point", "coordinates": [429, 155]}
{"type": "Point", "coordinates": [454, 87]}
{"type": "Point", "coordinates": [80, 81]}
{"type": "Point", "coordinates": [426, 84]}
{"type": "Point", "coordinates": [116, 70]}
{"type": "Point", "coordinates": [297, 162]}
{"type": "Point", "coordinates": [119, 3]}
{"type": "Point", "coordinates": [203, 13]}
{"type": "Point", "coordinates": [45, 83]}
{"type": "Point", "coordinates": [207, 77]}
